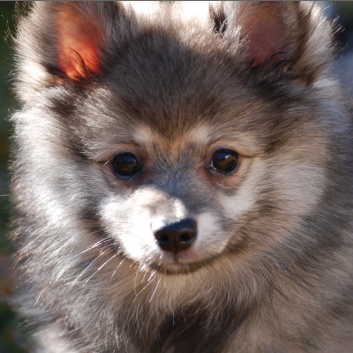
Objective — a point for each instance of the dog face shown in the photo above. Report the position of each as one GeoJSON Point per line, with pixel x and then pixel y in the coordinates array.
{"type": "Point", "coordinates": [213, 176]}
{"type": "Point", "coordinates": [185, 144]}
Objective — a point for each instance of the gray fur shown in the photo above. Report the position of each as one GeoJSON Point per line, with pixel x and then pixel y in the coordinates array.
{"type": "Point", "coordinates": [271, 270]}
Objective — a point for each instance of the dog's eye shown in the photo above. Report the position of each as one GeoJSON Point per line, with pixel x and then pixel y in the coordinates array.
{"type": "Point", "coordinates": [126, 165]}
{"type": "Point", "coordinates": [224, 161]}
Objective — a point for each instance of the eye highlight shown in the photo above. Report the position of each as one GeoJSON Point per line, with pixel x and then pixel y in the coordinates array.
{"type": "Point", "coordinates": [224, 161]}
{"type": "Point", "coordinates": [126, 165]}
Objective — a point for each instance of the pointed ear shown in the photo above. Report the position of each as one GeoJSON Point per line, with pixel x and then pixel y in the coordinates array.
{"type": "Point", "coordinates": [294, 36]}
{"type": "Point", "coordinates": [66, 41]}
{"type": "Point", "coordinates": [262, 26]}
{"type": "Point", "coordinates": [79, 41]}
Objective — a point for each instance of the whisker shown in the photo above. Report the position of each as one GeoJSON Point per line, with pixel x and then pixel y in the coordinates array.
{"type": "Point", "coordinates": [148, 284]}
{"type": "Point", "coordinates": [65, 268]}
{"type": "Point", "coordinates": [151, 276]}
{"type": "Point", "coordinates": [144, 277]}
{"type": "Point", "coordinates": [89, 265]}
{"type": "Point", "coordinates": [112, 257]}
{"type": "Point", "coordinates": [154, 292]}
{"type": "Point", "coordinates": [117, 267]}
{"type": "Point", "coordinates": [100, 267]}
{"type": "Point", "coordinates": [95, 245]}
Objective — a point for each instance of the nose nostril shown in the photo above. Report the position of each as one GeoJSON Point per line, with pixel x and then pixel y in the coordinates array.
{"type": "Point", "coordinates": [163, 239]}
{"type": "Point", "coordinates": [177, 236]}
{"type": "Point", "coordinates": [186, 238]}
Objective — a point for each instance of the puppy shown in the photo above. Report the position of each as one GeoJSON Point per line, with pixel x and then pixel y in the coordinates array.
{"type": "Point", "coordinates": [182, 179]}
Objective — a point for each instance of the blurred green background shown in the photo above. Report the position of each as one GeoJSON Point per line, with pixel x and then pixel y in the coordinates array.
{"type": "Point", "coordinates": [12, 339]}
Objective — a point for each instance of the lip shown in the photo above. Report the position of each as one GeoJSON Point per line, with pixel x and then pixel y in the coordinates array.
{"type": "Point", "coordinates": [177, 267]}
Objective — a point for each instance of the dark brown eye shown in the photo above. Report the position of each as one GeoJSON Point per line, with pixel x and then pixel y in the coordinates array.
{"type": "Point", "coordinates": [224, 161]}
{"type": "Point", "coordinates": [126, 165]}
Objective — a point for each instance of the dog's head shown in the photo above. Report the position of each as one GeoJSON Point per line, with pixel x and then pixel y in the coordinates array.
{"type": "Point", "coordinates": [180, 132]}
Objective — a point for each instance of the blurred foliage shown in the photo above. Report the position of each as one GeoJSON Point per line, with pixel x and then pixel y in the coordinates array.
{"type": "Point", "coordinates": [11, 338]}
{"type": "Point", "coordinates": [6, 101]}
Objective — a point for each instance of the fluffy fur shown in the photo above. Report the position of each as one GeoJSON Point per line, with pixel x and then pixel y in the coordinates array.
{"type": "Point", "coordinates": [271, 268]}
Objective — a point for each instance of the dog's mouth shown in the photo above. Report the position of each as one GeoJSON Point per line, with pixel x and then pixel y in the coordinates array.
{"type": "Point", "coordinates": [178, 267]}
{"type": "Point", "coordinates": [167, 263]}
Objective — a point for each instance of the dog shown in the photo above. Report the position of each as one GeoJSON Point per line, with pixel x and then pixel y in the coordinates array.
{"type": "Point", "coordinates": [182, 179]}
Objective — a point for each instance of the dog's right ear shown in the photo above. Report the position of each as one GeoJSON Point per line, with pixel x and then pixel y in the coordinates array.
{"type": "Point", "coordinates": [66, 41]}
{"type": "Point", "coordinates": [283, 38]}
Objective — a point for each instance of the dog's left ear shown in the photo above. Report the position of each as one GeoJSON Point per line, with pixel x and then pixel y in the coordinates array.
{"type": "Point", "coordinates": [79, 40]}
{"type": "Point", "coordinates": [60, 42]}
{"type": "Point", "coordinates": [284, 35]}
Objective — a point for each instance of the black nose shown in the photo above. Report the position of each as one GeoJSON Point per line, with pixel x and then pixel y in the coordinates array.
{"type": "Point", "coordinates": [177, 236]}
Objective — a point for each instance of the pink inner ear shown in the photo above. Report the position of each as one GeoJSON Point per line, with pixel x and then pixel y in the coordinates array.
{"type": "Point", "coordinates": [261, 24]}
{"type": "Point", "coordinates": [78, 43]}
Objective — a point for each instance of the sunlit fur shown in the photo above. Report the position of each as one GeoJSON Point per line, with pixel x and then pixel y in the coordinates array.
{"type": "Point", "coordinates": [271, 269]}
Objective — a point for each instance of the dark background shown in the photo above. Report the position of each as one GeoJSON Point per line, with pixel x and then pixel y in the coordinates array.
{"type": "Point", "coordinates": [12, 337]}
